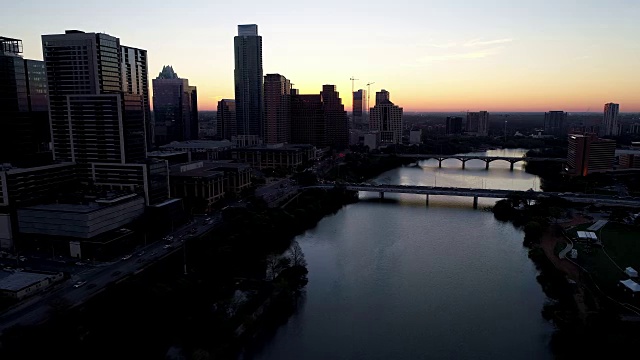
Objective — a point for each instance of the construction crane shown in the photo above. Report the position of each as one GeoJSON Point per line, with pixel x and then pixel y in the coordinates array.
{"type": "Point", "coordinates": [369, 95]}
{"type": "Point", "coordinates": [353, 84]}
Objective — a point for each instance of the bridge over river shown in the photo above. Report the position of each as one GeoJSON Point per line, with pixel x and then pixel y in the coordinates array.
{"type": "Point", "coordinates": [609, 200]}
{"type": "Point", "coordinates": [486, 159]}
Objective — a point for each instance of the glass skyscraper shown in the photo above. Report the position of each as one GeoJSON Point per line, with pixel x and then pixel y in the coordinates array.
{"type": "Point", "coordinates": [249, 88]}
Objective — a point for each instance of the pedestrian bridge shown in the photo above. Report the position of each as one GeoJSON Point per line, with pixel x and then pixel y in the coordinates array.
{"type": "Point", "coordinates": [609, 200]}
{"type": "Point", "coordinates": [486, 159]}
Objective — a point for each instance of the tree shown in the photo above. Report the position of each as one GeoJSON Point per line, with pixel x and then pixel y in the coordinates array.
{"type": "Point", "coordinates": [555, 213]}
{"type": "Point", "coordinates": [532, 232]}
{"type": "Point", "coordinates": [275, 264]}
{"type": "Point", "coordinates": [297, 256]}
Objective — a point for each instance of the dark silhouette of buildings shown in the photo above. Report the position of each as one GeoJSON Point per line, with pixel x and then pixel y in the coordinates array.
{"type": "Point", "coordinates": [453, 125]}
{"type": "Point", "coordinates": [610, 122]}
{"type": "Point", "coordinates": [248, 81]}
{"type": "Point", "coordinates": [24, 117]}
{"type": "Point", "coordinates": [175, 108]}
{"type": "Point", "coordinates": [277, 109]}
{"type": "Point", "coordinates": [359, 105]}
{"type": "Point", "coordinates": [385, 118]}
{"type": "Point", "coordinates": [555, 123]}
{"type": "Point", "coordinates": [135, 80]}
{"type": "Point", "coordinates": [226, 119]}
{"type": "Point", "coordinates": [589, 154]}
{"type": "Point", "coordinates": [478, 123]}
{"type": "Point", "coordinates": [319, 120]}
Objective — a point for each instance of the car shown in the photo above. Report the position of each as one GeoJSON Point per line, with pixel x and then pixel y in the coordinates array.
{"type": "Point", "coordinates": [207, 219]}
{"type": "Point", "coordinates": [154, 253]}
{"type": "Point", "coordinates": [167, 247]}
{"type": "Point", "coordinates": [141, 253]}
{"type": "Point", "coordinates": [126, 257]}
{"type": "Point", "coordinates": [22, 258]}
{"type": "Point", "coordinates": [79, 284]}
{"type": "Point", "coordinates": [80, 263]}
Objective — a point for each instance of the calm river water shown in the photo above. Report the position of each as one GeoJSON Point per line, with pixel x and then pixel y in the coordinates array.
{"type": "Point", "coordinates": [399, 280]}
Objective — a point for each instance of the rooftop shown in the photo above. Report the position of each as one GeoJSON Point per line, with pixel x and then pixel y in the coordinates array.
{"type": "Point", "coordinates": [281, 147]}
{"type": "Point", "coordinates": [198, 144]}
{"type": "Point", "coordinates": [20, 280]}
{"type": "Point", "coordinates": [89, 206]}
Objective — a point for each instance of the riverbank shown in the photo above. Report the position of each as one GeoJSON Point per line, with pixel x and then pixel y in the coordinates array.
{"type": "Point", "coordinates": [165, 311]}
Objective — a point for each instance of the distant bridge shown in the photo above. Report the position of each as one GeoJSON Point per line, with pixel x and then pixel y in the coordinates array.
{"type": "Point", "coordinates": [486, 159]}
{"type": "Point", "coordinates": [609, 200]}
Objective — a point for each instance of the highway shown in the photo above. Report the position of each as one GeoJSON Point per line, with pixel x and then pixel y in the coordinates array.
{"type": "Point", "coordinates": [95, 279]}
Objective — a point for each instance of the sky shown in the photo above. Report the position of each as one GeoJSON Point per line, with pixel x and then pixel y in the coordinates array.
{"type": "Point", "coordinates": [446, 55]}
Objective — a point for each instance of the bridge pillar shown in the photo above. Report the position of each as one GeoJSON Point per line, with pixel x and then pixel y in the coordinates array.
{"type": "Point", "coordinates": [427, 203]}
{"type": "Point", "coordinates": [511, 167]}
{"type": "Point", "coordinates": [381, 195]}
{"type": "Point", "coordinates": [464, 162]}
{"type": "Point", "coordinates": [475, 202]}
{"type": "Point", "coordinates": [487, 164]}
{"type": "Point", "coordinates": [439, 164]}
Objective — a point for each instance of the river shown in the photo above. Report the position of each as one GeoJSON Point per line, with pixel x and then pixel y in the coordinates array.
{"type": "Point", "coordinates": [399, 280]}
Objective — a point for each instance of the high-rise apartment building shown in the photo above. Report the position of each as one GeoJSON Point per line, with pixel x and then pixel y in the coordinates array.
{"type": "Point", "coordinates": [478, 123]}
{"type": "Point", "coordinates": [555, 123]}
{"type": "Point", "coordinates": [589, 154]}
{"type": "Point", "coordinates": [248, 81]}
{"type": "Point", "coordinates": [135, 81]}
{"type": "Point", "coordinates": [453, 125]}
{"type": "Point", "coordinates": [175, 108]}
{"type": "Point", "coordinates": [386, 119]}
{"type": "Point", "coordinates": [24, 118]}
{"type": "Point", "coordinates": [319, 120]}
{"type": "Point", "coordinates": [98, 112]}
{"type": "Point", "coordinates": [610, 125]}
{"type": "Point", "coordinates": [226, 119]}
{"type": "Point", "coordinates": [277, 109]}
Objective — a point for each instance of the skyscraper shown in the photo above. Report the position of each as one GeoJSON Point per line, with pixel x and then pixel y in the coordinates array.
{"type": "Point", "coordinates": [92, 118]}
{"type": "Point", "coordinates": [555, 123]}
{"type": "Point", "coordinates": [226, 119]}
{"type": "Point", "coordinates": [24, 119]}
{"type": "Point", "coordinates": [319, 120]}
{"type": "Point", "coordinates": [359, 105]}
{"type": "Point", "coordinates": [248, 80]}
{"type": "Point", "coordinates": [336, 121]}
{"type": "Point", "coordinates": [135, 80]}
{"type": "Point", "coordinates": [175, 108]}
{"type": "Point", "coordinates": [386, 119]}
{"type": "Point", "coordinates": [478, 123]}
{"type": "Point", "coordinates": [454, 125]}
{"type": "Point", "coordinates": [610, 124]}
{"type": "Point", "coordinates": [277, 109]}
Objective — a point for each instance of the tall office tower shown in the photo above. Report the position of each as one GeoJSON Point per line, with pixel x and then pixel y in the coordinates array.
{"type": "Point", "coordinates": [307, 119]}
{"type": "Point", "coordinates": [386, 119]}
{"type": "Point", "coordinates": [175, 108]}
{"type": "Point", "coordinates": [555, 123]}
{"type": "Point", "coordinates": [248, 80]}
{"type": "Point", "coordinates": [24, 118]}
{"type": "Point", "coordinates": [336, 121]}
{"type": "Point", "coordinates": [453, 125]}
{"type": "Point", "coordinates": [226, 119]}
{"type": "Point", "coordinates": [588, 154]}
{"type": "Point", "coordinates": [610, 125]}
{"type": "Point", "coordinates": [135, 81]}
{"type": "Point", "coordinates": [277, 109]}
{"type": "Point", "coordinates": [359, 105]}
{"type": "Point", "coordinates": [478, 123]}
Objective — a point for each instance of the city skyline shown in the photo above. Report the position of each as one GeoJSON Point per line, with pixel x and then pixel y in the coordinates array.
{"type": "Point", "coordinates": [435, 58]}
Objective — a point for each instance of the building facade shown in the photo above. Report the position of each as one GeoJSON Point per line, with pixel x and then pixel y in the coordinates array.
{"type": "Point", "coordinates": [589, 154]}
{"type": "Point", "coordinates": [359, 105]}
{"type": "Point", "coordinates": [135, 81]}
{"type": "Point", "coordinates": [610, 126]}
{"type": "Point", "coordinates": [307, 120]}
{"type": "Point", "coordinates": [248, 78]}
{"type": "Point", "coordinates": [288, 156]}
{"type": "Point", "coordinates": [555, 123]}
{"type": "Point", "coordinates": [24, 117]}
{"type": "Point", "coordinates": [175, 108]}
{"type": "Point", "coordinates": [453, 125]}
{"type": "Point", "coordinates": [226, 119]}
{"type": "Point", "coordinates": [478, 123]}
{"type": "Point", "coordinates": [385, 118]}
{"type": "Point", "coordinates": [336, 121]}
{"type": "Point", "coordinates": [277, 109]}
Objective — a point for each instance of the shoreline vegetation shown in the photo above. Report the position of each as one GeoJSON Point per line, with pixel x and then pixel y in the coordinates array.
{"type": "Point", "coordinates": [587, 320]}
{"type": "Point", "coordinates": [243, 278]}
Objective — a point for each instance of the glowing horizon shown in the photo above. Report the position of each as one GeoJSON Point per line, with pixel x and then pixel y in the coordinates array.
{"type": "Point", "coordinates": [433, 56]}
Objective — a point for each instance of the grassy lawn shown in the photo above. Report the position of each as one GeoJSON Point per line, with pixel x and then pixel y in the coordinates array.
{"type": "Point", "coordinates": [622, 243]}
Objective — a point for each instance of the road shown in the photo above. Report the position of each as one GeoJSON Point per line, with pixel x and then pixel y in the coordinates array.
{"type": "Point", "coordinates": [37, 309]}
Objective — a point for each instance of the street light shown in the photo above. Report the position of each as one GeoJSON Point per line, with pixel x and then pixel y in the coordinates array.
{"type": "Point", "coordinates": [505, 131]}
